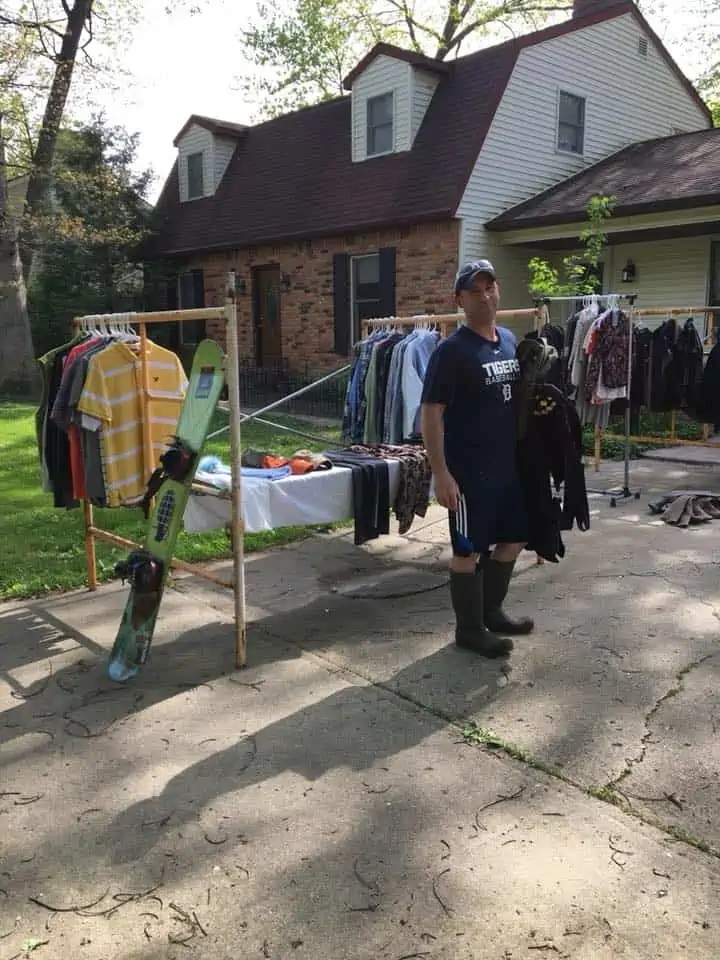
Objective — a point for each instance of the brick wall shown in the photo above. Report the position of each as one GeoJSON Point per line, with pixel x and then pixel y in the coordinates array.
{"type": "Point", "coordinates": [426, 261]}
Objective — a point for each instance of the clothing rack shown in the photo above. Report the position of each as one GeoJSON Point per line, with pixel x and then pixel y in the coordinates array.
{"type": "Point", "coordinates": [228, 315]}
{"type": "Point", "coordinates": [443, 322]}
{"type": "Point", "coordinates": [611, 300]}
{"type": "Point", "coordinates": [708, 336]}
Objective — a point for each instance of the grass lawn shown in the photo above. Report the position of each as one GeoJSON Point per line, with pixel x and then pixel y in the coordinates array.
{"type": "Point", "coordinates": [42, 548]}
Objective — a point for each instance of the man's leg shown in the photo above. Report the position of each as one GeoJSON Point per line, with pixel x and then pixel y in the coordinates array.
{"type": "Point", "coordinates": [499, 566]}
{"type": "Point", "coordinates": [466, 586]}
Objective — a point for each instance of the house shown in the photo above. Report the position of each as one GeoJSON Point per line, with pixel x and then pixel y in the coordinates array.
{"type": "Point", "coordinates": [364, 206]}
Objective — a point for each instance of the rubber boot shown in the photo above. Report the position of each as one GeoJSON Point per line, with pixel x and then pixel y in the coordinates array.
{"type": "Point", "coordinates": [497, 582]}
{"type": "Point", "coordinates": [466, 590]}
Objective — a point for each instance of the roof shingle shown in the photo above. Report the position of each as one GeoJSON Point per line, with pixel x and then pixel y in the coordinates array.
{"type": "Point", "coordinates": [670, 173]}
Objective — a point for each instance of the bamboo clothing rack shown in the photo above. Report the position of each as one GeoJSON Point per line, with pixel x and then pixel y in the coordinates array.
{"type": "Point", "coordinates": [227, 315]}
{"type": "Point", "coordinates": [444, 322]}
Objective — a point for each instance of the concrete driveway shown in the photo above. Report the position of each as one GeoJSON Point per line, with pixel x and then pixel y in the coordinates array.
{"type": "Point", "coordinates": [363, 789]}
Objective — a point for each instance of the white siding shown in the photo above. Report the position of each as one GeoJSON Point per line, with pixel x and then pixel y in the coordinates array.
{"type": "Point", "coordinates": [670, 273]}
{"type": "Point", "coordinates": [196, 140]}
{"type": "Point", "coordinates": [628, 98]}
{"type": "Point", "coordinates": [223, 149]}
{"type": "Point", "coordinates": [383, 75]}
{"type": "Point", "coordinates": [423, 88]}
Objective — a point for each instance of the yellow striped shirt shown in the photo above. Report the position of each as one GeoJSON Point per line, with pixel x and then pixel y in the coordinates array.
{"type": "Point", "coordinates": [113, 396]}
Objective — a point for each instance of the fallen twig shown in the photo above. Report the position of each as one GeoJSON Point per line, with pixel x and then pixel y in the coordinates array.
{"type": "Point", "coordinates": [24, 801]}
{"type": "Point", "coordinates": [445, 855]}
{"type": "Point", "coordinates": [215, 843]}
{"type": "Point", "coordinates": [4, 936]}
{"type": "Point", "coordinates": [245, 683]}
{"type": "Point", "coordinates": [446, 908]}
{"type": "Point", "coordinates": [502, 798]}
{"type": "Point", "coordinates": [88, 735]}
{"type": "Point", "coordinates": [74, 909]}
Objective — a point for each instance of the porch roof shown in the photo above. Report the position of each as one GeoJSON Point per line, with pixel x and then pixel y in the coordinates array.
{"type": "Point", "coordinates": [675, 173]}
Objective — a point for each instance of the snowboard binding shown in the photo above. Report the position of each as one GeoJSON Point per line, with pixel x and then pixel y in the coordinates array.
{"type": "Point", "coordinates": [142, 571]}
{"type": "Point", "coordinates": [176, 463]}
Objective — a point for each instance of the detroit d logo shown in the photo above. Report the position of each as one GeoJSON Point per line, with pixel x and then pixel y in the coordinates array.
{"type": "Point", "coordinates": [507, 392]}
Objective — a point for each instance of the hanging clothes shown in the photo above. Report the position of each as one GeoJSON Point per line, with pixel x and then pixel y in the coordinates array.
{"type": "Point", "coordinates": [549, 456]}
{"type": "Point", "coordinates": [90, 420]}
{"type": "Point", "coordinates": [708, 402]}
{"type": "Point", "coordinates": [608, 347]}
{"type": "Point", "coordinates": [382, 402]}
{"type": "Point", "coordinates": [413, 493]}
{"type": "Point", "coordinates": [577, 366]}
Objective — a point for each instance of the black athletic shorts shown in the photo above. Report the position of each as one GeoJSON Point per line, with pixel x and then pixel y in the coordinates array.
{"type": "Point", "coordinates": [488, 515]}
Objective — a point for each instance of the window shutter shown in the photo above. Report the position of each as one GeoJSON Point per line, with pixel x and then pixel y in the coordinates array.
{"type": "Point", "coordinates": [341, 304]}
{"type": "Point", "coordinates": [387, 259]}
{"type": "Point", "coordinates": [171, 294]}
{"type": "Point", "coordinates": [198, 283]}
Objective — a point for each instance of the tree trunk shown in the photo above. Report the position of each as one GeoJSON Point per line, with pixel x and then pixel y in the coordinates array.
{"type": "Point", "coordinates": [18, 374]}
{"type": "Point", "coordinates": [38, 184]}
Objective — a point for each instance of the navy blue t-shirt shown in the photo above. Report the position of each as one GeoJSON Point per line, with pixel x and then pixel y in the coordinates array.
{"type": "Point", "coordinates": [473, 379]}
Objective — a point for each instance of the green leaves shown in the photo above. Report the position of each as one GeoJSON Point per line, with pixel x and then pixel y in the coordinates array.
{"type": "Point", "coordinates": [580, 272]}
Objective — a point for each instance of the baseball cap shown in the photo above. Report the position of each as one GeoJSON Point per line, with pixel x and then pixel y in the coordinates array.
{"type": "Point", "coordinates": [467, 273]}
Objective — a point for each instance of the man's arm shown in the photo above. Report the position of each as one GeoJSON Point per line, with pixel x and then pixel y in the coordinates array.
{"type": "Point", "coordinates": [433, 434]}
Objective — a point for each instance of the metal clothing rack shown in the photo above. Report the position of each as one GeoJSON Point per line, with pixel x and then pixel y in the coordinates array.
{"type": "Point", "coordinates": [611, 300]}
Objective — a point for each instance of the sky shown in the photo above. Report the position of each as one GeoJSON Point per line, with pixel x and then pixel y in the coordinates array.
{"type": "Point", "coordinates": [180, 64]}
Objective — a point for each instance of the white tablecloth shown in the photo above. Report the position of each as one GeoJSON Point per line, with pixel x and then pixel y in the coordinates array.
{"type": "Point", "coordinates": [316, 498]}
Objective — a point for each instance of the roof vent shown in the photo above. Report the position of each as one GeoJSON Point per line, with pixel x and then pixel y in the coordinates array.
{"type": "Point", "coordinates": [643, 46]}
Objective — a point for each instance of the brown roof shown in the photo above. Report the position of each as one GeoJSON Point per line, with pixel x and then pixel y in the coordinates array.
{"type": "Point", "coordinates": [221, 127]}
{"type": "Point", "coordinates": [294, 178]}
{"type": "Point", "coordinates": [670, 173]}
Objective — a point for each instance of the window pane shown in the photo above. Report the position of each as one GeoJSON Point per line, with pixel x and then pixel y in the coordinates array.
{"type": "Point", "coordinates": [570, 139]}
{"type": "Point", "coordinates": [367, 269]}
{"type": "Point", "coordinates": [367, 310]}
{"type": "Point", "coordinates": [186, 293]}
{"type": "Point", "coordinates": [195, 175]}
{"type": "Point", "coordinates": [571, 109]}
{"type": "Point", "coordinates": [381, 140]}
{"type": "Point", "coordinates": [380, 110]}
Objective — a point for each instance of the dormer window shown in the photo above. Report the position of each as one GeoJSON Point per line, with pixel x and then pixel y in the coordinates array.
{"type": "Point", "coordinates": [380, 125]}
{"type": "Point", "coordinates": [195, 176]}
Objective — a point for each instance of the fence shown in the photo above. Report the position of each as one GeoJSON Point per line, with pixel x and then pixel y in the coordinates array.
{"type": "Point", "coordinates": [260, 386]}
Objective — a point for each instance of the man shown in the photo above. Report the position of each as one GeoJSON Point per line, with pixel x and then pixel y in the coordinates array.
{"type": "Point", "coordinates": [468, 424]}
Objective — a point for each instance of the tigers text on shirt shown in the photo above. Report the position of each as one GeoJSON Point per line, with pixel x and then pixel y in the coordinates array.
{"type": "Point", "coordinates": [112, 402]}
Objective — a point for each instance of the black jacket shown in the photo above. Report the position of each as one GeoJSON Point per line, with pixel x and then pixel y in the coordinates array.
{"type": "Point", "coordinates": [550, 456]}
{"type": "Point", "coordinates": [708, 404]}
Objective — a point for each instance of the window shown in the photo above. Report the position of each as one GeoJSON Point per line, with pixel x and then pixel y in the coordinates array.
{"type": "Point", "coordinates": [571, 123]}
{"type": "Point", "coordinates": [190, 294]}
{"type": "Point", "coordinates": [195, 177]}
{"type": "Point", "coordinates": [365, 297]}
{"type": "Point", "coordinates": [380, 138]}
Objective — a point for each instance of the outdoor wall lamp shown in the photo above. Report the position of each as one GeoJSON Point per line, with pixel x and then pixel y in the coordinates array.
{"type": "Point", "coordinates": [629, 272]}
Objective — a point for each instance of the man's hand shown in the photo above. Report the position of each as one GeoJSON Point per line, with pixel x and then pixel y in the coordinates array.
{"type": "Point", "coordinates": [447, 491]}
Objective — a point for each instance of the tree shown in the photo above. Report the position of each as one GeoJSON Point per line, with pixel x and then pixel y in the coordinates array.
{"type": "Point", "coordinates": [580, 271]}
{"type": "Point", "coordinates": [42, 45]}
{"type": "Point", "coordinates": [300, 50]}
{"type": "Point", "coordinates": [16, 247]}
{"type": "Point", "coordinates": [89, 227]}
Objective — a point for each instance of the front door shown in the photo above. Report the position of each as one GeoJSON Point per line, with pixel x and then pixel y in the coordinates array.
{"type": "Point", "coordinates": [266, 315]}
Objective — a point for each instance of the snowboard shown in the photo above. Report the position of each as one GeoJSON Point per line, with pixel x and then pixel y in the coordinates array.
{"type": "Point", "coordinates": [147, 569]}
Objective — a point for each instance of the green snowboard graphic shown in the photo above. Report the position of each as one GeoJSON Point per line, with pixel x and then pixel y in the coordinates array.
{"type": "Point", "coordinates": [147, 569]}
